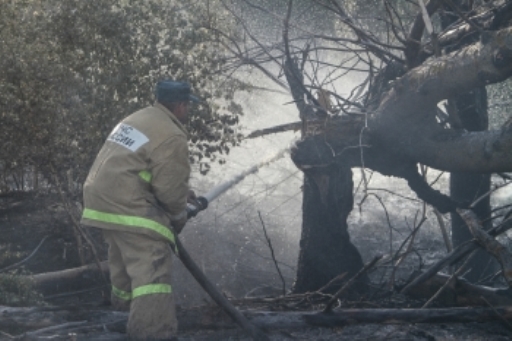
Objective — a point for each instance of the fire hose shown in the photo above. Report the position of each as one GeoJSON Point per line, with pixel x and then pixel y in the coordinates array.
{"type": "Point", "coordinates": [192, 210]}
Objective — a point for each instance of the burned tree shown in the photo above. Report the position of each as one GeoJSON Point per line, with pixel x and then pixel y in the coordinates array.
{"type": "Point", "coordinates": [393, 121]}
{"type": "Point", "coordinates": [470, 112]}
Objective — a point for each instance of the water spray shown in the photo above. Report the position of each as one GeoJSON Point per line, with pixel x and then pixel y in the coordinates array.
{"type": "Point", "coordinates": [215, 192]}
{"type": "Point", "coordinates": [195, 271]}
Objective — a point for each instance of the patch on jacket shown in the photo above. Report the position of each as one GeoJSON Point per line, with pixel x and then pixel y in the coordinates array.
{"type": "Point", "coordinates": [128, 137]}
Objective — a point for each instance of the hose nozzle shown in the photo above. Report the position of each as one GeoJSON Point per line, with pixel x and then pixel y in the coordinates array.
{"type": "Point", "coordinates": [201, 203]}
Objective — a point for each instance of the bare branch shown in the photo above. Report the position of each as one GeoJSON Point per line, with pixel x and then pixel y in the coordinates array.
{"type": "Point", "coordinates": [444, 231]}
{"type": "Point", "coordinates": [489, 243]}
{"type": "Point", "coordinates": [350, 282]}
{"type": "Point", "coordinates": [414, 39]}
{"type": "Point", "coordinates": [453, 257]}
{"type": "Point", "coordinates": [449, 281]}
{"type": "Point", "coordinates": [269, 242]}
{"type": "Point", "coordinates": [32, 254]}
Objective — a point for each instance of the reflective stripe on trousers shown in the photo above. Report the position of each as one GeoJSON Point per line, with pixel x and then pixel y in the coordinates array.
{"type": "Point", "coordinates": [147, 289]}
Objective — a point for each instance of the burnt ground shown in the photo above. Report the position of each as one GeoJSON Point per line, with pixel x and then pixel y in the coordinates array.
{"type": "Point", "coordinates": [26, 218]}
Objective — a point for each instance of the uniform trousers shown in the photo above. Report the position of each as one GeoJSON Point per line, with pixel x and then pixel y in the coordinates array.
{"type": "Point", "coordinates": [140, 273]}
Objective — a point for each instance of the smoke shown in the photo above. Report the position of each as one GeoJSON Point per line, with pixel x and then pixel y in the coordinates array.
{"type": "Point", "coordinates": [216, 191]}
{"type": "Point", "coordinates": [227, 240]}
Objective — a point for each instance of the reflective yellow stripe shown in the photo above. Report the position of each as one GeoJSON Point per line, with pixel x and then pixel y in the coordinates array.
{"type": "Point", "coordinates": [145, 175]}
{"type": "Point", "coordinates": [124, 295]}
{"type": "Point", "coordinates": [151, 289]}
{"type": "Point", "coordinates": [127, 220]}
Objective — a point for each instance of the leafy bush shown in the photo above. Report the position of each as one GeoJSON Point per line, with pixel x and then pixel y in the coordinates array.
{"type": "Point", "coordinates": [17, 290]}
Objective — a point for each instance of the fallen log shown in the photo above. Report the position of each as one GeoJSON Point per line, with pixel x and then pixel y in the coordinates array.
{"type": "Point", "coordinates": [70, 279]}
{"type": "Point", "coordinates": [30, 322]}
{"type": "Point", "coordinates": [397, 316]}
{"type": "Point", "coordinates": [12, 318]}
{"type": "Point", "coordinates": [269, 320]}
{"type": "Point", "coordinates": [459, 293]}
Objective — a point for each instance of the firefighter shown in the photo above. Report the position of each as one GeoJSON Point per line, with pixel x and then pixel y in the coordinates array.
{"type": "Point", "coordinates": [136, 190]}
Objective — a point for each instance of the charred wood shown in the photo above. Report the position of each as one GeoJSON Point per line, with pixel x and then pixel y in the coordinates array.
{"type": "Point", "coordinates": [396, 316]}
{"type": "Point", "coordinates": [111, 322]}
{"type": "Point", "coordinates": [453, 257]}
{"type": "Point", "coordinates": [490, 244]}
{"type": "Point", "coordinates": [460, 292]}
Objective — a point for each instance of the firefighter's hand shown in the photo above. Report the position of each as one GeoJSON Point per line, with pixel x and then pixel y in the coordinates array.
{"type": "Point", "coordinates": [178, 221]}
{"type": "Point", "coordinates": [192, 198]}
{"type": "Point", "coordinates": [178, 225]}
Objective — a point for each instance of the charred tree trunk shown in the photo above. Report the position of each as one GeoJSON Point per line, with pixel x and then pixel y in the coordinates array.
{"type": "Point", "coordinates": [325, 247]}
{"type": "Point", "coordinates": [404, 124]}
{"type": "Point", "coordinates": [470, 113]}
{"type": "Point", "coordinates": [466, 187]}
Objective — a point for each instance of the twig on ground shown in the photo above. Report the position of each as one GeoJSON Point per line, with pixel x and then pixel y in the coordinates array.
{"type": "Point", "coordinates": [7, 335]}
{"type": "Point", "coordinates": [332, 281]}
{"type": "Point", "coordinates": [491, 278]}
{"type": "Point", "coordinates": [503, 319]}
{"type": "Point", "coordinates": [269, 242]}
{"type": "Point", "coordinates": [50, 329]}
{"type": "Point", "coordinates": [350, 282]}
{"type": "Point", "coordinates": [16, 265]}
{"type": "Point", "coordinates": [491, 245]}
{"type": "Point", "coordinates": [448, 282]}
{"type": "Point", "coordinates": [101, 326]}
{"type": "Point", "coordinates": [454, 256]}
{"type": "Point", "coordinates": [73, 293]}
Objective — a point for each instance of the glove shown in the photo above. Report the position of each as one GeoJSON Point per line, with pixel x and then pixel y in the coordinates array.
{"type": "Point", "coordinates": [179, 222]}
{"type": "Point", "coordinates": [192, 198]}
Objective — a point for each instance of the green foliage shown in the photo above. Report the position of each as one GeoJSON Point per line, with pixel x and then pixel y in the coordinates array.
{"type": "Point", "coordinates": [8, 255]}
{"type": "Point", "coordinates": [70, 70]}
{"type": "Point", "coordinates": [18, 291]}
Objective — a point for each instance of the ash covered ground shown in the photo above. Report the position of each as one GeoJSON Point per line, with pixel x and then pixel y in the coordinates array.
{"type": "Point", "coordinates": [228, 243]}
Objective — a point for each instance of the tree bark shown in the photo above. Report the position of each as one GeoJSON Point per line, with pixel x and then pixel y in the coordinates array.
{"type": "Point", "coordinates": [466, 187]}
{"type": "Point", "coordinates": [406, 121]}
{"type": "Point", "coordinates": [325, 247]}
{"type": "Point", "coordinates": [469, 112]}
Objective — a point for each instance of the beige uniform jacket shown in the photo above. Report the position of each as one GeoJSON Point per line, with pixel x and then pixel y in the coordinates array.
{"type": "Point", "coordinates": [139, 180]}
